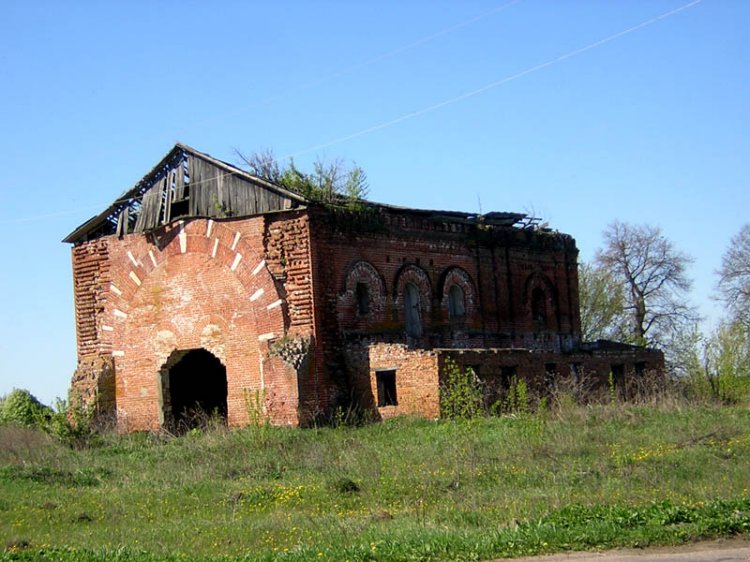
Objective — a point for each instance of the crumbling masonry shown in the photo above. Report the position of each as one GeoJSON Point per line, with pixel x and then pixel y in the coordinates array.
{"type": "Point", "coordinates": [206, 288]}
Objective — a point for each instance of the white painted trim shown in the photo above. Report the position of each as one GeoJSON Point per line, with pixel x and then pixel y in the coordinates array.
{"type": "Point", "coordinates": [237, 260]}
{"type": "Point", "coordinates": [257, 294]}
{"type": "Point", "coordinates": [258, 267]}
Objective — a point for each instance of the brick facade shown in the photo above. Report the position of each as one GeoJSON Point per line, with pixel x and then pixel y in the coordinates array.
{"type": "Point", "coordinates": [306, 309]}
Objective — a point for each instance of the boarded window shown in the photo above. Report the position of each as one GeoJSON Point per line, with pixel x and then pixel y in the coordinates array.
{"type": "Point", "coordinates": [386, 383]}
{"type": "Point", "coordinates": [412, 311]}
{"type": "Point", "coordinates": [363, 298]}
{"type": "Point", "coordinates": [456, 303]}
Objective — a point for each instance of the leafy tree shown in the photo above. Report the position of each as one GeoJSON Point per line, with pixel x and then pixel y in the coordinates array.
{"type": "Point", "coordinates": [726, 357]}
{"type": "Point", "coordinates": [22, 408]}
{"type": "Point", "coordinates": [601, 302]}
{"type": "Point", "coordinates": [652, 273]}
{"type": "Point", "coordinates": [330, 183]}
{"type": "Point", "coordinates": [734, 277]}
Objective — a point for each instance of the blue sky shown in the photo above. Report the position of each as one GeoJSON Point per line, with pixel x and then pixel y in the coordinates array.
{"type": "Point", "coordinates": [578, 111]}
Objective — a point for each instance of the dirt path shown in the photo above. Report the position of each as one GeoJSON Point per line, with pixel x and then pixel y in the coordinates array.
{"type": "Point", "coordinates": [723, 550]}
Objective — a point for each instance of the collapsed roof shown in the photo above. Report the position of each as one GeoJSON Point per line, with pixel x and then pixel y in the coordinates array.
{"type": "Point", "coordinates": [189, 183]}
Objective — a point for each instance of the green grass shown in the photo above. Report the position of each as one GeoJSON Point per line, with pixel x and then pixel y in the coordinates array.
{"type": "Point", "coordinates": [407, 489]}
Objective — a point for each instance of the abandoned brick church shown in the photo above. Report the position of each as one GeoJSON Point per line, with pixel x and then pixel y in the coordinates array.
{"type": "Point", "coordinates": [206, 287]}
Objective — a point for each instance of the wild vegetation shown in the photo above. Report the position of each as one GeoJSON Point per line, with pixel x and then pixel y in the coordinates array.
{"type": "Point", "coordinates": [549, 476]}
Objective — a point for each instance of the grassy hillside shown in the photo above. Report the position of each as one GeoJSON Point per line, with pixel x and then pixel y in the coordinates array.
{"type": "Point", "coordinates": [576, 478]}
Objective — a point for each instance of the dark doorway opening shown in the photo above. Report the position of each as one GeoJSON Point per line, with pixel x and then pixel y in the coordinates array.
{"type": "Point", "coordinates": [195, 389]}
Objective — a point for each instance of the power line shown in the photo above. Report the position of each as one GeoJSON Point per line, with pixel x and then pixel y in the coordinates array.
{"type": "Point", "coordinates": [449, 101]}
{"type": "Point", "coordinates": [358, 66]}
{"type": "Point", "coordinates": [497, 83]}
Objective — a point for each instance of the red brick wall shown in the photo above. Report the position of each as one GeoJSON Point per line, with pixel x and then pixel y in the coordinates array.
{"type": "Point", "coordinates": [193, 284]}
{"type": "Point", "coordinates": [593, 368]}
{"type": "Point", "coordinates": [416, 380]}
{"type": "Point", "coordinates": [496, 270]}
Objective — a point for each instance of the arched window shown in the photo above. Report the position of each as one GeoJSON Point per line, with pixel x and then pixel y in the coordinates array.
{"type": "Point", "coordinates": [362, 292]}
{"type": "Point", "coordinates": [412, 311]}
{"type": "Point", "coordinates": [539, 308]}
{"type": "Point", "coordinates": [456, 302]}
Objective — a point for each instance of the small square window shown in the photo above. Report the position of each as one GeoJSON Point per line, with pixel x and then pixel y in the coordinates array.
{"type": "Point", "coordinates": [386, 382]}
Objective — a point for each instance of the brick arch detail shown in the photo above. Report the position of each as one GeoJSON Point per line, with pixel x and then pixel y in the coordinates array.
{"type": "Point", "coordinates": [538, 280]}
{"type": "Point", "coordinates": [363, 271]}
{"type": "Point", "coordinates": [455, 275]}
{"type": "Point", "coordinates": [413, 274]}
{"type": "Point", "coordinates": [222, 244]}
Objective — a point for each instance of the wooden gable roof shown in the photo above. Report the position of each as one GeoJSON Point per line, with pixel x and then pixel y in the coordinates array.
{"type": "Point", "coordinates": [186, 183]}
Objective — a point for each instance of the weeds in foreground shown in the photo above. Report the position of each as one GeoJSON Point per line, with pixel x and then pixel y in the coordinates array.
{"type": "Point", "coordinates": [408, 489]}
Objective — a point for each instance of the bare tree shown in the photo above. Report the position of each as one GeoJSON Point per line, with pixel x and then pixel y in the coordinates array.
{"type": "Point", "coordinates": [653, 277]}
{"type": "Point", "coordinates": [734, 277]}
{"type": "Point", "coordinates": [601, 300]}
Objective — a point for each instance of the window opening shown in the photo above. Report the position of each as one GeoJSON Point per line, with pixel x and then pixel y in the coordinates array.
{"type": "Point", "coordinates": [507, 375]}
{"type": "Point", "coordinates": [575, 371]}
{"type": "Point", "coordinates": [386, 383]}
{"type": "Point", "coordinates": [363, 298]}
{"type": "Point", "coordinates": [412, 311]}
{"type": "Point", "coordinates": [617, 372]}
{"type": "Point", "coordinates": [456, 302]}
{"type": "Point", "coordinates": [539, 308]}
{"type": "Point", "coordinates": [550, 372]}
{"type": "Point", "coordinates": [640, 369]}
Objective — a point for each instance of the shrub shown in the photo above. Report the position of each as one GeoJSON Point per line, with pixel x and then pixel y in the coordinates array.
{"type": "Point", "coordinates": [461, 393]}
{"type": "Point", "coordinates": [20, 407]}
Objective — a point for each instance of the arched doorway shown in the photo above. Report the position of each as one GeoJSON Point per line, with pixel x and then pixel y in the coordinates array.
{"type": "Point", "coordinates": [194, 387]}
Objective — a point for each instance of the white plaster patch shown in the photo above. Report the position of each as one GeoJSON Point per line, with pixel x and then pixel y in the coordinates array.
{"type": "Point", "coordinates": [258, 267]}
{"type": "Point", "coordinates": [115, 290]}
{"type": "Point", "coordinates": [135, 278]}
{"type": "Point", "coordinates": [209, 227]}
{"type": "Point", "coordinates": [236, 239]}
{"type": "Point", "coordinates": [144, 391]}
{"type": "Point", "coordinates": [107, 328]}
{"type": "Point", "coordinates": [132, 258]}
{"type": "Point", "coordinates": [236, 262]}
{"type": "Point", "coordinates": [274, 304]}
{"type": "Point", "coordinates": [119, 313]}
{"type": "Point", "coordinates": [266, 337]}
{"type": "Point", "coordinates": [118, 353]}
{"type": "Point", "coordinates": [183, 238]}
{"type": "Point", "coordinates": [216, 247]}
{"type": "Point", "coordinates": [153, 258]}
{"type": "Point", "coordinates": [257, 294]}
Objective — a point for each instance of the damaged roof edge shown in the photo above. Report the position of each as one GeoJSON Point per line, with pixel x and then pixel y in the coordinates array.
{"type": "Point", "coordinates": [127, 197]}
{"type": "Point", "coordinates": [136, 193]}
